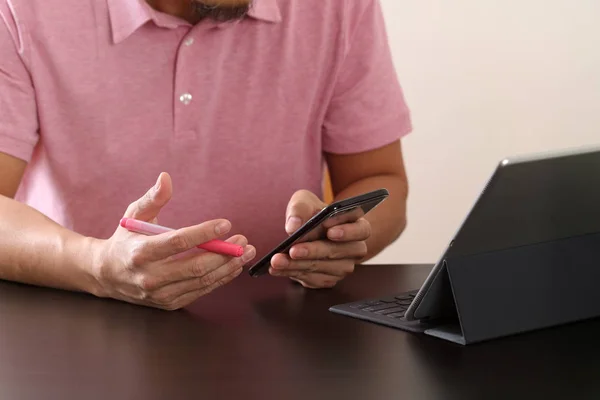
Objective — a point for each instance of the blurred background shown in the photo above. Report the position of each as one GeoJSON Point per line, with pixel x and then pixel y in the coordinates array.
{"type": "Point", "coordinates": [486, 80]}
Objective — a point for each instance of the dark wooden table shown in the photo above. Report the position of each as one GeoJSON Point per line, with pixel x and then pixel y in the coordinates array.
{"type": "Point", "coordinates": [271, 339]}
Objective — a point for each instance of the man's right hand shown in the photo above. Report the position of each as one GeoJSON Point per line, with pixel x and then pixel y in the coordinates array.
{"type": "Point", "coordinates": [164, 271]}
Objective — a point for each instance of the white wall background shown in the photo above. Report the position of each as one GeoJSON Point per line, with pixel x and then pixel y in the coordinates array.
{"type": "Point", "coordinates": [485, 80]}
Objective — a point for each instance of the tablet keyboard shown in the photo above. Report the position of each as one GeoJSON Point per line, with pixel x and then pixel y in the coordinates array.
{"type": "Point", "coordinates": [388, 311]}
{"type": "Point", "coordinates": [391, 307]}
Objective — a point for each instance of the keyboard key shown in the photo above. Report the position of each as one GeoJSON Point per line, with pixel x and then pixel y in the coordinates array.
{"type": "Point", "coordinates": [404, 302]}
{"type": "Point", "coordinates": [405, 296]}
{"type": "Point", "coordinates": [389, 300]}
{"type": "Point", "coordinates": [370, 303]}
{"type": "Point", "coordinates": [358, 305]}
{"type": "Point", "coordinates": [373, 302]}
{"type": "Point", "coordinates": [391, 310]}
{"type": "Point", "coordinates": [396, 315]}
{"type": "Point", "coordinates": [379, 307]}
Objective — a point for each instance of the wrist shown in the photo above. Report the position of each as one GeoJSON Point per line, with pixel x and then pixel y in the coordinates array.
{"type": "Point", "coordinates": [84, 252]}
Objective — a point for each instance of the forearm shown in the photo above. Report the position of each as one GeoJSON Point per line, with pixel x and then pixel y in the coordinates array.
{"type": "Point", "coordinates": [388, 220]}
{"type": "Point", "coordinates": [38, 251]}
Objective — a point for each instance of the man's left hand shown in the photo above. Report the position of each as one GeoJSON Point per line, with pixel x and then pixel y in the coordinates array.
{"type": "Point", "coordinates": [329, 254]}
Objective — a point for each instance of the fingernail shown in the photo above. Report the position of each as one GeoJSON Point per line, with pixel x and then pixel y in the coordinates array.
{"type": "Point", "coordinates": [301, 252]}
{"type": "Point", "coordinates": [336, 233]}
{"type": "Point", "coordinates": [157, 184]}
{"type": "Point", "coordinates": [240, 241]}
{"type": "Point", "coordinates": [293, 224]}
{"type": "Point", "coordinates": [282, 263]}
{"type": "Point", "coordinates": [249, 255]}
{"type": "Point", "coordinates": [223, 227]}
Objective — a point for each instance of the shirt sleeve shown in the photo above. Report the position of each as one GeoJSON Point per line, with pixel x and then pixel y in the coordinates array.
{"type": "Point", "coordinates": [368, 109]}
{"type": "Point", "coordinates": [18, 110]}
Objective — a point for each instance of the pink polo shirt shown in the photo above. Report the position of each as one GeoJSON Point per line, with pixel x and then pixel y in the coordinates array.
{"type": "Point", "coordinates": [101, 96]}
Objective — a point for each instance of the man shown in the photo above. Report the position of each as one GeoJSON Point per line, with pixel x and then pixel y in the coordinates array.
{"type": "Point", "coordinates": [241, 102]}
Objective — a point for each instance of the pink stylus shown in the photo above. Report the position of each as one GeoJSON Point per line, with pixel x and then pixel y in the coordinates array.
{"type": "Point", "coordinates": [214, 246]}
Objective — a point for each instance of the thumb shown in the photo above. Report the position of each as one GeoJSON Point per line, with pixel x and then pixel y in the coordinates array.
{"type": "Point", "coordinates": [149, 205]}
{"type": "Point", "coordinates": [302, 207]}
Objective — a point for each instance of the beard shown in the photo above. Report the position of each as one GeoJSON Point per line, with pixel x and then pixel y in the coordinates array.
{"type": "Point", "coordinates": [221, 10]}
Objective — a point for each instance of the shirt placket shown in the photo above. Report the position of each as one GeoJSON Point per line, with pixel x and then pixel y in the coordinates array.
{"type": "Point", "coordinates": [185, 95]}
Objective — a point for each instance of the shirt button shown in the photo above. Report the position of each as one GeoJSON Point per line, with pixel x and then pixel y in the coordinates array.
{"type": "Point", "coordinates": [185, 98]}
{"type": "Point", "coordinates": [189, 41]}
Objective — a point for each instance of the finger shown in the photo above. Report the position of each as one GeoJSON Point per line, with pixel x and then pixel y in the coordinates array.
{"type": "Point", "coordinates": [237, 239]}
{"type": "Point", "coordinates": [189, 297]}
{"type": "Point", "coordinates": [326, 250]}
{"type": "Point", "coordinates": [357, 231]}
{"type": "Point", "coordinates": [169, 244]}
{"type": "Point", "coordinates": [316, 280]}
{"type": "Point", "coordinates": [169, 293]}
{"type": "Point", "coordinates": [200, 265]}
{"type": "Point", "coordinates": [345, 217]}
{"type": "Point", "coordinates": [302, 207]}
{"type": "Point", "coordinates": [149, 205]}
{"type": "Point", "coordinates": [282, 265]}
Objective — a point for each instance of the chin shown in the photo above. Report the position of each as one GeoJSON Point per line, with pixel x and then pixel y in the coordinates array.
{"type": "Point", "coordinates": [221, 10]}
{"type": "Point", "coordinates": [223, 3]}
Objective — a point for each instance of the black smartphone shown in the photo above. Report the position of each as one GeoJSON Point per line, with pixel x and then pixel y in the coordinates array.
{"type": "Point", "coordinates": [340, 212]}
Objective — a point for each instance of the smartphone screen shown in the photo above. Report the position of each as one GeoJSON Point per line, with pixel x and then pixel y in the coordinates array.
{"type": "Point", "coordinates": [339, 213]}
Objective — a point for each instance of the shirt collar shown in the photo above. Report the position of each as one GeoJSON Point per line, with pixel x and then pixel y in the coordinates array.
{"type": "Point", "coordinates": [265, 10]}
{"type": "Point", "coordinates": [127, 16]}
